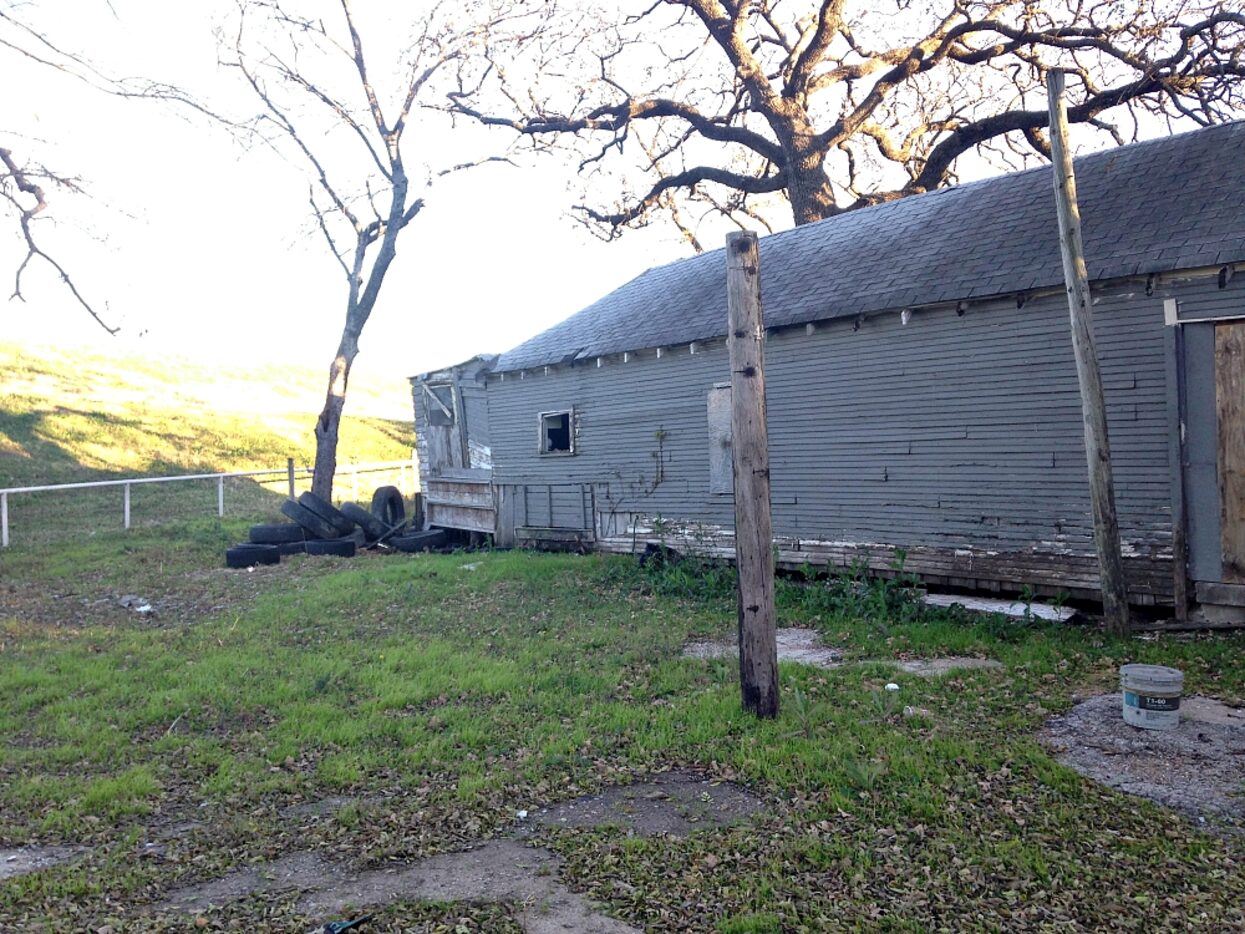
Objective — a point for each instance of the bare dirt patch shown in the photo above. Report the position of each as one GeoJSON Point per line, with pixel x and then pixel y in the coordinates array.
{"type": "Point", "coordinates": [18, 862]}
{"type": "Point", "coordinates": [497, 871]}
{"type": "Point", "coordinates": [794, 645]}
{"type": "Point", "coordinates": [1197, 768]}
{"type": "Point", "coordinates": [507, 870]}
{"type": "Point", "coordinates": [501, 870]}
{"type": "Point", "coordinates": [936, 667]}
{"type": "Point", "coordinates": [805, 646]}
{"type": "Point", "coordinates": [674, 803]}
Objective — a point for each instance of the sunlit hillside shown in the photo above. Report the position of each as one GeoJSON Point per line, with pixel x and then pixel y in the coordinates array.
{"type": "Point", "coordinates": [71, 415]}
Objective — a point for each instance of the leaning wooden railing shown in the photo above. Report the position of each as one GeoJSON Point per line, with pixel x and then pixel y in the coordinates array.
{"type": "Point", "coordinates": [291, 472]}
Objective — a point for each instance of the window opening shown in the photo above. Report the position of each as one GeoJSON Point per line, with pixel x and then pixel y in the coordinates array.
{"type": "Point", "coordinates": [556, 433]}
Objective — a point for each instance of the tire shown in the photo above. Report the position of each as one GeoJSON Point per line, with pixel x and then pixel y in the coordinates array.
{"type": "Point", "coordinates": [279, 534]}
{"type": "Point", "coordinates": [387, 506]}
{"type": "Point", "coordinates": [326, 511]}
{"type": "Point", "coordinates": [420, 541]}
{"type": "Point", "coordinates": [249, 555]}
{"type": "Point", "coordinates": [341, 547]}
{"type": "Point", "coordinates": [315, 526]}
{"type": "Point", "coordinates": [359, 537]}
{"type": "Point", "coordinates": [371, 526]}
{"type": "Point", "coordinates": [293, 548]}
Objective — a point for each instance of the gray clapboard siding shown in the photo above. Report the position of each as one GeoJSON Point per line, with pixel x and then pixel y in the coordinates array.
{"type": "Point", "coordinates": [949, 432]}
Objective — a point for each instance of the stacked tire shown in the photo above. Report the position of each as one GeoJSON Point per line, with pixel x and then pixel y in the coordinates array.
{"type": "Point", "coordinates": [317, 527]}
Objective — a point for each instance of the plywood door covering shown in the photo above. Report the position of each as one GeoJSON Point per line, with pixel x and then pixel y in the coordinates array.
{"type": "Point", "coordinates": [1230, 411]}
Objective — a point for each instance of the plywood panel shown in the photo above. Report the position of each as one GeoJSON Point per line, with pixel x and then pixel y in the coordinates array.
{"type": "Point", "coordinates": [1230, 411]}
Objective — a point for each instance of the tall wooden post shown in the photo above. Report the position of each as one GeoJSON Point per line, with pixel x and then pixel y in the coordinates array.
{"type": "Point", "coordinates": [754, 537]}
{"type": "Point", "coordinates": [1093, 407]}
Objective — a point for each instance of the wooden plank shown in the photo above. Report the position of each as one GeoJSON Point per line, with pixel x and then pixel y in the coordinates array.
{"type": "Point", "coordinates": [1089, 375]}
{"type": "Point", "coordinates": [457, 517]}
{"type": "Point", "coordinates": [467, 474]}
{"type": "Point", "coordinates": [1217, 592]}
{"type": "Point", "coordinates": [1230, 413]}
{"type": "Point", "coordinates": [468, 500]}
{"type": "Point", "coordinates": [758, 647]}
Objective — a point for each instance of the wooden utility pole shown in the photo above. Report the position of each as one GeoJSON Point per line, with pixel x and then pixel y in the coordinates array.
{"type": "Point", "coordinates": [754, 537]}
{"type": "Point", "coordinates": [1093, 406]}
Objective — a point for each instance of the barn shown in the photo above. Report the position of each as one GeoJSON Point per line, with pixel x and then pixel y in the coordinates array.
{"type": "Point", "coordinates": [923, 403]}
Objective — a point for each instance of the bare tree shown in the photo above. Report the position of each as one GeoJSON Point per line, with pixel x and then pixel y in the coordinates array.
{"type": "Point", "coordinates": [840, 103]}
{"type": "Point", "coordinates": [322, 100]}
{"type": "Point", "coordinates": [25, 181]}
{"type": "Point", "coordinates": [28, 185]}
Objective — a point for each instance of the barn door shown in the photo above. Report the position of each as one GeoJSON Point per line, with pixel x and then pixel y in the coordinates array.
{"type": "Point", "coordinates": [1230, 415]}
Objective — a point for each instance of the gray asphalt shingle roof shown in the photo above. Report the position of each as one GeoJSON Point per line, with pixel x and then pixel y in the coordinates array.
{"type": "Point", "coordinates": [1171, 203]}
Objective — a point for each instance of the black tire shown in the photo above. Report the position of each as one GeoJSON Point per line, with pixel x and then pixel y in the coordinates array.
{"type": "Point", "coordinates": [387, 506]}
{"type": "Point", "coordinates": [293, 548]}
{"type": "Point", "coordinates": [370, 525]}
{"type": "Point", "coordinates": [249, 555]}
{"type": "Point", "coordinates": [341, 547]}
{"type": "Point", "coordinates": [420, 541]}
{"type": "Point", "coordinates": [278, 534]}
{"type": "Point", "coordinates": [326, 511]}
{"type": "Point", "coordinates": [315, 526]}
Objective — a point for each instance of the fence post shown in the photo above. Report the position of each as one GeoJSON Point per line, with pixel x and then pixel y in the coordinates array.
{"type": "Point", "coordinates": [289, 467]}
{"type": "Point", "coordinates": [126, 500]}
{"type": "Point", "coordinates": [4, 520]}
{"type": "Point", "coordinates": [220, 497]}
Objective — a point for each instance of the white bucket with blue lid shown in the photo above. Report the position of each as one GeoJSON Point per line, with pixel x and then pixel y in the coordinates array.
{"type": "Point", "coordinates": [1152, 696]}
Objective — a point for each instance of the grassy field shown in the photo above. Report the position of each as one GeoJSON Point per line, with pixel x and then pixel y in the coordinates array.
{"type": "Point", "coordinates": [69, 417]}
{"type": "Point", "coordinates": [436, 695]}
{"type": "Point", "coordinates": [443, 692]}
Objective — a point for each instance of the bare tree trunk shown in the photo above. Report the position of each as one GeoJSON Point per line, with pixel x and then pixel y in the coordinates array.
{"type": "Point", "coordinates": [330, 416]}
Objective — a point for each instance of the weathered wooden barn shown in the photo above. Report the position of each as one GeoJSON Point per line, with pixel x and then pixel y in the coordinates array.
{"type": "Point", "coordinates": [922, 394]}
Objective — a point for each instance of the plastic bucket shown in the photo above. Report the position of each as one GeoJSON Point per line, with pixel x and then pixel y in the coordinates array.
{"type": "Point", "coordinates": [1151, 696]}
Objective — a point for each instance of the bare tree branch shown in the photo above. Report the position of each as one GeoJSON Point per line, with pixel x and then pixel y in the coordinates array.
{"type": "Point", "coordinates": [822, 100]}
{"type": "Point", "coordinates": [20, 178]}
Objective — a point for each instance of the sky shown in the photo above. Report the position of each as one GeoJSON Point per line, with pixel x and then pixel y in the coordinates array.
{"type": "Point", "coordinates": [201, 247]}
{"type": "Point", "coordinates": [198, 246]}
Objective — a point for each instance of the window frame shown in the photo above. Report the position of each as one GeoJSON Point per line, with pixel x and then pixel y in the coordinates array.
{"type": "Point", "coordinates": [542, 437]}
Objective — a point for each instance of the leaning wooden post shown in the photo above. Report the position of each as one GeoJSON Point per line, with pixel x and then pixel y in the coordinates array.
{"type": "Point", "coordinates": [754, 539]}
{"type": "Point", "coordinates": [1093, 406]}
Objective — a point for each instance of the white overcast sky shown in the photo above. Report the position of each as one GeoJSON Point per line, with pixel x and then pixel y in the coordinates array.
{"type": "Point", "coordinates": [198, 247]}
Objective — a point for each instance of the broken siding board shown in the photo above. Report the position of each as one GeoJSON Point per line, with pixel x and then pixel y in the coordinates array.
{"type": "Point", "coordinates": [1230, 414]}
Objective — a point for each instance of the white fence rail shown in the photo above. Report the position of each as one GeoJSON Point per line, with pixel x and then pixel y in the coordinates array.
{"type": "Point", "coordinates": [349, 471]}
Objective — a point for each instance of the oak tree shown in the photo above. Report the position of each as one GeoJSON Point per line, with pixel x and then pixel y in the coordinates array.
{"type": "Point", "coordinates": [830, 105]}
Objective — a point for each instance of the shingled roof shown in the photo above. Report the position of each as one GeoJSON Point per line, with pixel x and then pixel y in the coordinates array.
{"type": "Point", "coordinates": [1171, 203]}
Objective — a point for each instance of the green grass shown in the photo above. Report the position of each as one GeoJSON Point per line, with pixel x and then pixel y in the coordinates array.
{"type": "Point", "coordinates": [77, 417]}
{"type": "Point", "coordinates": [445, 698]}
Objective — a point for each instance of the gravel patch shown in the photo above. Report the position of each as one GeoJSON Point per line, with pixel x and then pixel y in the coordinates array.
{"type": "Point", "coordinates": [19, 862]}
{"type": "Point", "coordinates": [794, 645]}
{"type": "Point", "coordinates": [1197, 768]}
{"type": "Point", "coordinates": [936, 667]}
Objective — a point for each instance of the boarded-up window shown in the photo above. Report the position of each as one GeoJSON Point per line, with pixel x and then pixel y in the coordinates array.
{"type": "Point", "coordinates": [721, 472]}
{"type": "Point", "coordinates": [439, 404]}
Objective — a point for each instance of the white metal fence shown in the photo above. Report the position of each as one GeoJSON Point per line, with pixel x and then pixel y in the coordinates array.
{"type": "Point", "coordinates": [347, 474]}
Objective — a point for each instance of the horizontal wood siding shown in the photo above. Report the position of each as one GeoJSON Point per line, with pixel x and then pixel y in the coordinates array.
{"type": "Point", "coordinates": [951, 432]}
